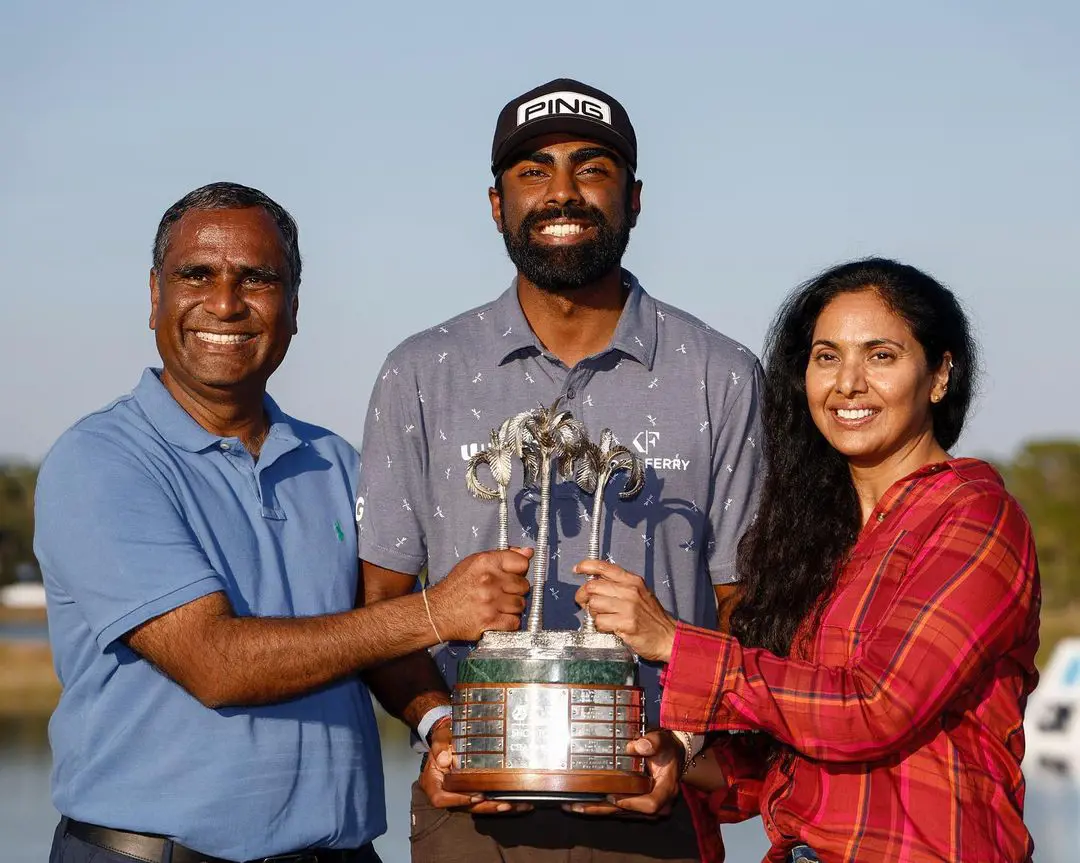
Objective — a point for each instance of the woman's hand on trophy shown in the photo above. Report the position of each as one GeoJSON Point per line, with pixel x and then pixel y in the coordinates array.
{"type": "Point", "coordinates": [621, 603]}
{"type": "Point", "coordinates": [484, 591]}
{"type": "Point", "coordinates": [437, 764]}
{"type": "Point", "coordinates": [664, 758]}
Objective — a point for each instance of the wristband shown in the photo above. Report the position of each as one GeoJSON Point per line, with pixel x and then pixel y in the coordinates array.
{"type": "Point", "coordinates": [428, 720]}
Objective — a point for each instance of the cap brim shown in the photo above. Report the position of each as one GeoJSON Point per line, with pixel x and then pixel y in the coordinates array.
{"type": "Point", "coordinates": [589, 130]}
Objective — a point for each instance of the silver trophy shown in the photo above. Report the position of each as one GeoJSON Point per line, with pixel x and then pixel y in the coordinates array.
{"type": "Point", "coordinates": [545, 715]}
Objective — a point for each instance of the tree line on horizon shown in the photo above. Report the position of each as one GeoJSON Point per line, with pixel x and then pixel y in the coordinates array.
{"type": "Point", "coordinates": [1044, 476]}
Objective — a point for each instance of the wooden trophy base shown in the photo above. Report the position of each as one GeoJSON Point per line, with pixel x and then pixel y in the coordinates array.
{"type": "Point", "coordinates": [546, 786]}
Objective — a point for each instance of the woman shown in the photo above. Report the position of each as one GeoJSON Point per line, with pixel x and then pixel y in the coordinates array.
{"type": "Point", "coordinates": [887, 631]}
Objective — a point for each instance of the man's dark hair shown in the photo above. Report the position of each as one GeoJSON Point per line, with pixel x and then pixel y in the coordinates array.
{"type": "Point", "coordinates": [231, 196]}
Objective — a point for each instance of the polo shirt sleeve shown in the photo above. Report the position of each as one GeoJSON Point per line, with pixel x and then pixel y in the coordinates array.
{"type": "Point", "coordinates": [393, 461]}
{"type": "Point", "coordinates": [110, 537]}
{"type": "Point", "coordinates": [737, 467]}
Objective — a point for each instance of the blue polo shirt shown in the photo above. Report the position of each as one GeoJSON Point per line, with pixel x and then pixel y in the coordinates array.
{"type": "Point", "coordinates": [140, 510]}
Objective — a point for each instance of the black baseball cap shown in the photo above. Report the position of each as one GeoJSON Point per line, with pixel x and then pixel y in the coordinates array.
{"type": "Point", "coordinates": [563, 105]}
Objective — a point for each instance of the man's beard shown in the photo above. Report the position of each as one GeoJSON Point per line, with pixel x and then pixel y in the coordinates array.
{"type": "Point", "coordinates": [561, 268]}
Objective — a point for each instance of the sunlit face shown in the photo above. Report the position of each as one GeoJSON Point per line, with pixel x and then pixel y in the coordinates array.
{"type": "Point", "coordinates": [565, 211]}
{"type": "Point", "coordinates": [867, 383]}
{"type": "Point", "coordinates": [222, 307]}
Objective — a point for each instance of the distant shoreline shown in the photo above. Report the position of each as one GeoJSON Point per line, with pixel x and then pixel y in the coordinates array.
{"type": "Point", "coordinates": [21, 615]}
{"type": "Point", "coordinates": [29, 688]}
{"type": "Point", "coordinates": [28, 684]}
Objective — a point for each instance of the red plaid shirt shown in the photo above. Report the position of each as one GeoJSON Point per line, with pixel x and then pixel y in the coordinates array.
{"type": "Point", "coordinates": [905, 709]}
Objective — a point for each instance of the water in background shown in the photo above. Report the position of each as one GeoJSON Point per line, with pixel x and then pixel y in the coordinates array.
{"type": "Point", "coordinates": [27, 818]}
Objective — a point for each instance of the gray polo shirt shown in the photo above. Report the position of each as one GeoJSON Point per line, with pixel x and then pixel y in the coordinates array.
{"type": "Point", "coordinates": [676, 392]}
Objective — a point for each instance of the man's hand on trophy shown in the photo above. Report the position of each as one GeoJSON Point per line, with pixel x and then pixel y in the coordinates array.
{"type": "Point", "coordinates": [433, 773]}
{"type": "Point", "coordinates": [484, 591]}
{"type": "Point", "coordinates": [621, 603]}
{"type": "Point", "coordinates": [664, 757]}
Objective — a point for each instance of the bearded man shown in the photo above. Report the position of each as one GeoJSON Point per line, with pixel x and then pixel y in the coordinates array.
{"type": "Point", "coordinates": [575, 326]}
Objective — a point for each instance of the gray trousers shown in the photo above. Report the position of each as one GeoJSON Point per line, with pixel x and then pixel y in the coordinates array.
{"type": "Point", "coordinates": [547, 835]}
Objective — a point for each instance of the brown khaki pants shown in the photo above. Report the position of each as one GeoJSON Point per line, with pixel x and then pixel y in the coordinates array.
{"type": "Point", "coordinates": [547, 835]}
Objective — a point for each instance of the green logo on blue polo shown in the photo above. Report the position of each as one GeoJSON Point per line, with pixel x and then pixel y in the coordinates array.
{"type": "Point", "coordinates": [340, 533]}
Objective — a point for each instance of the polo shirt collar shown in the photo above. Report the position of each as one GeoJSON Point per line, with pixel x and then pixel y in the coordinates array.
{"type": "Point", "coordinates": [510, 329]}
{"type": "Point", "coordinates": [635, 334]}
{"type": "Point", "coordinates": [178, 427]}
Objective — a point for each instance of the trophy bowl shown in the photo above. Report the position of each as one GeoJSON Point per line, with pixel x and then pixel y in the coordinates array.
{"type": "Point", "coordinates": [546, 716]}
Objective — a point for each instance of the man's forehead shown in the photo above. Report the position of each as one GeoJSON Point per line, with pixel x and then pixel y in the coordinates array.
{"type": "Point", "coordinates": [227, 218]}
{"type": "Point", "coordinates": [210, 227]}
{"type": "Point", "coordinates": [558, 144]}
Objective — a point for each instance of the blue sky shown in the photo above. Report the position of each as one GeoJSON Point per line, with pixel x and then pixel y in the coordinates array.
{"type": "Point", "coordinates": [775, 139]}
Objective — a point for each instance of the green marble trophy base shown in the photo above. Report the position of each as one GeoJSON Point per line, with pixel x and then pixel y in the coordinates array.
{"type": "Point", "coordinates": [570, 670]}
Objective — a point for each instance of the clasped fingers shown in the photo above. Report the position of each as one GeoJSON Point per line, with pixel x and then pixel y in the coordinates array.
{"type": "Point", "coordinates": [621, 603]}
{"type": "Point", "coordinates": [608, 571]}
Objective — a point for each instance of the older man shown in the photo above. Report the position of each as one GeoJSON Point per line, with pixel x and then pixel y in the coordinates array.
{"type": "Point", "coordinates": [199, 553]}
{"type": "Point", "coordinates": [573, 326]}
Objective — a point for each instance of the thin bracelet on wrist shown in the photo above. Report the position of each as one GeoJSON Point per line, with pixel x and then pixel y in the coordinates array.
{"type": "Point", "coordinates": [431, 620]}
{"type": "Point", "coordinates": [692, 746]}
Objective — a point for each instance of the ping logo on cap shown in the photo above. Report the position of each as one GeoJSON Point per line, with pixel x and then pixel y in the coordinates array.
{"type": "Point", "coordinates": [564, 102]}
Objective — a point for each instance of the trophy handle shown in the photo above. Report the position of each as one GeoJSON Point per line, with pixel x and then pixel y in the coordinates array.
{"type": "Point", "coordinates": [588, 622]}
{"type": "Point", "coordinates": [504, 520]}
{"type": "Point", "coordinates": [535, 621]}
{"type": "Point", "coordinates": [614, 458]}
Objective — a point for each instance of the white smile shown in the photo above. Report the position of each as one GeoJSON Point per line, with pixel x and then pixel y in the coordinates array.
{"type": "Point", "coordinates": [860, 414]}
{"type": "Point", "coordinates": [562, 229]}
{"type": "Point", "coordinates": [221, 338]}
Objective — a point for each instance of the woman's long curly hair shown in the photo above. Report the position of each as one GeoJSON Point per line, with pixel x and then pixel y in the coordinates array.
{"type": "Point", "coordinates": [809, 515]}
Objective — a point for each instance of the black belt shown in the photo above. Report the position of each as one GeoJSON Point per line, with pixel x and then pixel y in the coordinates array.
{"type": "Point", "coordinates": [148, 848]}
